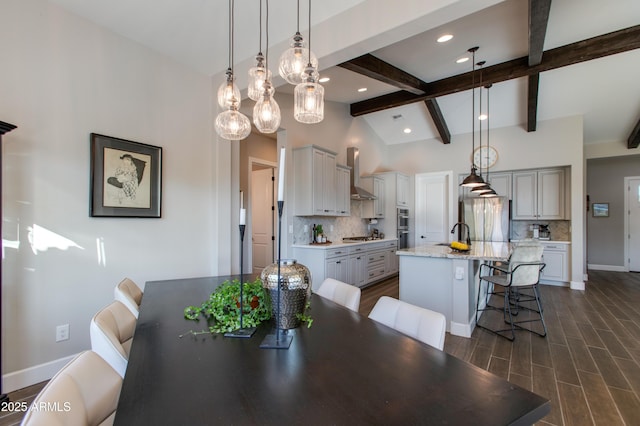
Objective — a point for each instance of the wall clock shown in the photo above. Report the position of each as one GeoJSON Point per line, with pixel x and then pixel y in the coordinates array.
{"type": "Point", "coordinates": [484, 157]}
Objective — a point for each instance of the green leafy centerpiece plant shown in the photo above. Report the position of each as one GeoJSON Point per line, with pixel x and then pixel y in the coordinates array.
{"type": "Point", "coordinates": [222, 309]}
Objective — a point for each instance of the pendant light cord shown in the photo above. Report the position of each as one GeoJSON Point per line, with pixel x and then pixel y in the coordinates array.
{"type": "Point", "coordinates": [473, 105]}
{"type": "Point", "coordinates": [266, 58]}
{"type": "Point", "coordinates": [480, 114]}
{"type": "Point", "coordinates": [260, 26]}
{"type": "Point", "coordinates": [298, 19]}
{"type": "Point", "coordinates": [309, 55]}
{"type": "Point", "coordinates": [488, 127]}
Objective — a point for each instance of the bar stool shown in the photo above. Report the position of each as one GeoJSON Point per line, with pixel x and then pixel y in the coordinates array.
{"type": "Point", "coordinates": [522, 272]}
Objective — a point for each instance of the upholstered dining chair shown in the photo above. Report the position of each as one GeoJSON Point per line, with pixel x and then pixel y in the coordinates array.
{"type": "Point", "coordinates": [522, 272]}
{"type": "Point", "coordinates": [111, 332]}
{"type": "Point", "coordinates": [420, 323]}
{"type": "Point", "coordinates": [85, 392]}
{"type": "Point", "coordinates": [129, 294]}
{"type": "Point", "coordinates": [342, 293]}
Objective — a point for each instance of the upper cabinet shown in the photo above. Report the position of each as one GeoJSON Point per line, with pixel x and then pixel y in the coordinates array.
{"type": "Point", "coordinates": [315, 181]}
{"type": "Point", "coordinates": [343, 190]}
{"type": "Point", "coordinates": [373, 209]}
{"type": "Point", "coordinates": [539, 194]}
{"type": "Point", "coordinates": [402, 190]}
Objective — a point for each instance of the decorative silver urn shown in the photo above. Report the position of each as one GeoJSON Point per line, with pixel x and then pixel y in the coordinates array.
{"type": "Point", "coordinates": [295, 290]}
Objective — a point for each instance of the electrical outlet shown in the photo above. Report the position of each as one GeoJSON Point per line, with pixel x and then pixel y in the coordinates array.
{"type": "Point", "coordinates": [62, 332]}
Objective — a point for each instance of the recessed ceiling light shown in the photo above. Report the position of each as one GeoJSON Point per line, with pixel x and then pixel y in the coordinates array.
{"type": "Point", "coordinates": [462, 60]}
{"type": "Point", "coordinates": [444, 38]}
{"type": "Point", "coordinates": [362, 89]}
{"type": "Point", "coordinates": [407, 130]}
{"type": "Point", "coordinates": [324, 79]}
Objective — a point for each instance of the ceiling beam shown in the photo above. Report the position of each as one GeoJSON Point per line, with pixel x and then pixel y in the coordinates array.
{"type": "Point", "coordinates": [438, 120]}
{"type": "Point", "coordinates": [538, 18]}
{"type": "Point", "coordinates": [574, 53]}
{"type": "Point", "coordinates": [634, 137]}
{"type": "Point", "coordinates": [380, 70]}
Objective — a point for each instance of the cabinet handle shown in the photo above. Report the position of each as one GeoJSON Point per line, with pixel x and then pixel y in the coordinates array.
{"type": "Point", "coordinates": [339, 261]}
{"type": "Point", "coordinates": [358, 258]}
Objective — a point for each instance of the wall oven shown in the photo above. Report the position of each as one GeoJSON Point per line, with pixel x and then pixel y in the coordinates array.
{"type": "Point", "coordinates": [403, 228]}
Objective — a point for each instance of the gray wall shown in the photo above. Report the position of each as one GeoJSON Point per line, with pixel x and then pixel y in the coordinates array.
{"type": "Point", "coordinates": [605, 184]}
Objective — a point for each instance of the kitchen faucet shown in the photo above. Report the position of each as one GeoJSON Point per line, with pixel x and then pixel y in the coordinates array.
{"type": "Point", "coordinates": [468, 231]}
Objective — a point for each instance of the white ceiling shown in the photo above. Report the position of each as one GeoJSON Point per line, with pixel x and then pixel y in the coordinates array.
{"type": "Point", "coordinates": [605, 91]}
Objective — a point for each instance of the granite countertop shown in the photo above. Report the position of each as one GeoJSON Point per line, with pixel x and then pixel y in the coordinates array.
{"type": "Point", "coordinates": [341, 244]}
{"type": "Point", "coordinates": [478, 250]}
{"type": "Point", "coordinates": [546, 241]}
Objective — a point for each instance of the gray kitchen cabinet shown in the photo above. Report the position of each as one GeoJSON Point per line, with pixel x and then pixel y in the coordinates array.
{"type": "Point", "coordinates": [539, 194]}
{"type": "Point", "coordinates": [315, 181]}
{"type": "Point", "coordinates": [556, 259]}
{"type": "Point", "coordinates": [392, 264]}
{"type": "Point", "coordinates": [357, 269]}
{"type": "Point", "coordinates": [343, 190]}
{"type": "Point", "coordinates": [373, 209]}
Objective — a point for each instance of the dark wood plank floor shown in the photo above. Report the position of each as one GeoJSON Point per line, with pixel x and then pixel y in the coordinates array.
{"type": "Point", "coordinates": [588, 365]}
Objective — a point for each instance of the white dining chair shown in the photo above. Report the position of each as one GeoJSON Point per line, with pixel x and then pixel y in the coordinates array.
{"type": "Point", "coordinates": [342, 293]}
{"type": "Point", "coordinates": [129, 294]}
{"type": "Point", "coordinates": [111, 333]}
{"type": "Point", "coordinates": [83, 392]}
{"type": "Point", "coordinates": [420, 323]}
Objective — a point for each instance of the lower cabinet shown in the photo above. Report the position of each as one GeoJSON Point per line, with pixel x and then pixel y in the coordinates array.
{"type": "Point", "coordinates": [556, 259]}
{"type": "Point", "coordinates": [355, 264]}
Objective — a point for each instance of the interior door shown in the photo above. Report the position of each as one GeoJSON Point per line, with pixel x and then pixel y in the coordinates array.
{"type": "Point", "coordinates": [262, 218]}
{"type": "Point", "coordinates": [433, 208]}
{"type": "Point", "coordinates": [633, 239]}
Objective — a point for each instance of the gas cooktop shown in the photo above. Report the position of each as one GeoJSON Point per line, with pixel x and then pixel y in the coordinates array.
{"type": "Point", "coordinates": [358, 239]}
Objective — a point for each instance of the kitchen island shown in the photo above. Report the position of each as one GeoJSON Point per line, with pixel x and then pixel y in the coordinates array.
{"type": "Point", "coordinates": [437, 278]}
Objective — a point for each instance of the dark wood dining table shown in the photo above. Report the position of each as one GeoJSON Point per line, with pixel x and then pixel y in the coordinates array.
{"type": "Point", "coordinates": [344, 370]}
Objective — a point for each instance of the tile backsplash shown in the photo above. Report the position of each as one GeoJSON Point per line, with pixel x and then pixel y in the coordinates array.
{"type": "Point", "coordinates": [342, 226]}
{"type": "Point", "coordinates": [560, 230]}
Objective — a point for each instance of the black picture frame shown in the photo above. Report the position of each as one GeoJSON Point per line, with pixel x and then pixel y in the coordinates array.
{"type": "Point", "coordinates": [126, 178]}
{"type": "Point", "coordinates": [600, 209]}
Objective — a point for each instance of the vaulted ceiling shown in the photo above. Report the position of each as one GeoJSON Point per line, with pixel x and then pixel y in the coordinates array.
{"type": "Point", "coordinates": [544, 57]}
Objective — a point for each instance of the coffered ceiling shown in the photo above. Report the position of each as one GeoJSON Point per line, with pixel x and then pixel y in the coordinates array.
{"type": "Point", "coordinates": [605, 91]}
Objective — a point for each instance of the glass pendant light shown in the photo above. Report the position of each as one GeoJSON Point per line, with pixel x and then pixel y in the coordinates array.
{"type": "Point", "coordinates": [473, 179]}
{"type": "Point", "coordinates": [231, 124]}
{"type": "Point", "coordinates": [308, 96]}
{"type": "Point", "coordinates": [258, 74]}
{"type": "Point", "coordinates": [266, 112]}
{"type": "Point", "coordinates": [293, 61]}
{"type": "Point", "coordinates": [228, 91]}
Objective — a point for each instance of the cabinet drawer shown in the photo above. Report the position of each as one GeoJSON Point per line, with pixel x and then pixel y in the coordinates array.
{"type": "Point", "coordinates": [357, 249]}
{"type": "Point", "coordinates": [375, 273]}
{"type": "Point", "coordinates": [336, 252]}
{"type": "Point", "coordinates": [555, 247]}
{"type": "Point", "coordinates": [375, 257]}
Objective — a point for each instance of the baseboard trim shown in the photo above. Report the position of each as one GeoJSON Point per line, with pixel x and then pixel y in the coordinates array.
{"type": "Point", "coordinates": [577, 285]}
{"type": "Point", "coordinates": [30, 376]}
{"type": "Point", "coordinates": [459, 329]}
{"type": "Point", "coordinates": [612, 268]}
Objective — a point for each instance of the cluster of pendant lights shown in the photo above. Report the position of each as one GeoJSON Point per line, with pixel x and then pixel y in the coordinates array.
{"type": "Point", "coordinates": [474, 181]}
{"type": "Point", "coordinates": [298, 66]}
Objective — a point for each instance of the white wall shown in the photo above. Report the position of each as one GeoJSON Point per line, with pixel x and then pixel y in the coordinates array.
{"type": "Point", "coordinates": [61, 79]}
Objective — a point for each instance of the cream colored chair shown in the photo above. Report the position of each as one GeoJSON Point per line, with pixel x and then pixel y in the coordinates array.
{"type": "Point", "coordinates": [111, 332]}
{"type": "Point", "coordinates": [83, 392]}
{"type": "Point", "coordinates": [420, 323]}
{"type": "Point", "coordinates": [129, 294]}
{"type": "Point", "coordinates": [342, 293]}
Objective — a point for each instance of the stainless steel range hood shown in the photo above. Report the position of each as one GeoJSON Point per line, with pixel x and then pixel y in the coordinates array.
{"type": "Point", "coordinates": [353, 161]}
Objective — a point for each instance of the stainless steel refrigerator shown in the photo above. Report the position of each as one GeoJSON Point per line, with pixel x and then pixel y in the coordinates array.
{"type": "Point", "coordinates": [488, 218]}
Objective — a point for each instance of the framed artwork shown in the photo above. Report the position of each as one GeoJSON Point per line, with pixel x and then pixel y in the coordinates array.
{"type": "Point", "coordinates": [126, 178]}
{"type": "Point", "coordinates": [600, 209]}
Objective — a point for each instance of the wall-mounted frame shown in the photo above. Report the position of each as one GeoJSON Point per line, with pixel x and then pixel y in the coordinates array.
{"type": "Point", "coordinates": [600, 209]}
{"type": "Point", "coordinates": [126, 178]}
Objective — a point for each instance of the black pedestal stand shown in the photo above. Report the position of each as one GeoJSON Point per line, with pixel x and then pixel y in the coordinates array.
{"type": "Point", "coordinates": [280, 339]}
{"type": "Point", "coordinates": [241, 332]}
